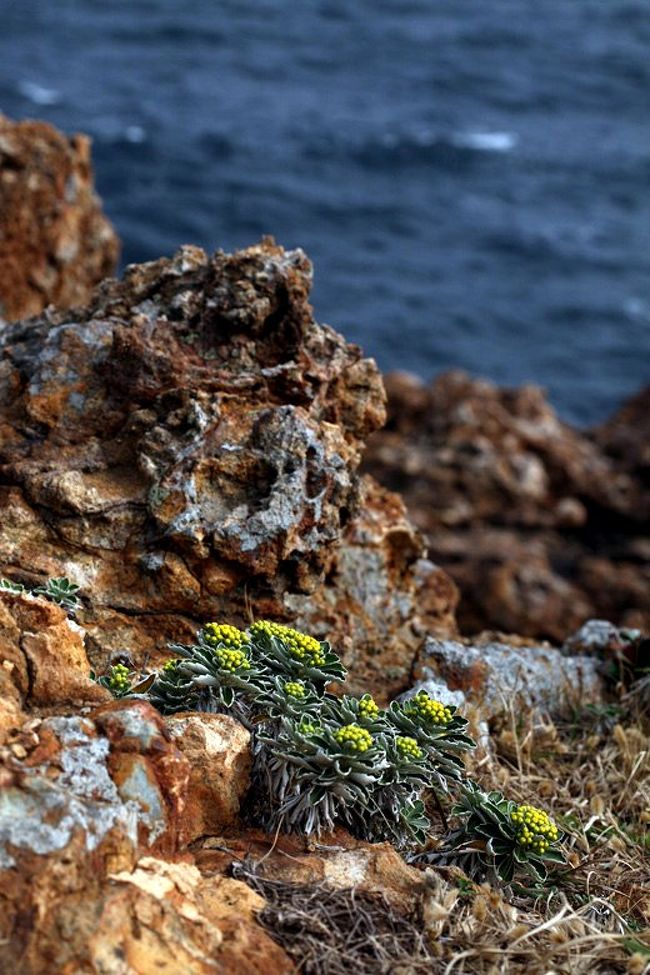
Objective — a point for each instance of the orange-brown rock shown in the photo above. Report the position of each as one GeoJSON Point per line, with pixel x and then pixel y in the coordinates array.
{"type": "Point", "coordinates": [158, 917]}
{"type": "Point", "coordinates": [540, 525]}
{"type": "Point", "coordinates": [43, 660]}
{"type": "Point", "coordinates": [186, 448]}
{"type": "Point", "coordinates": [82, 796]}
{"type": "Point", "coordinates": [217, 749]}
{"type": "Point", "coordinates": [55, 242]}
{"type": "Point", "coordinates": [339, 860]}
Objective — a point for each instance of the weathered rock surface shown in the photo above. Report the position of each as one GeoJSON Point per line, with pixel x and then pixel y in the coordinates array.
{"type": "Point", "coordinates": [187, 447]}
{"type": "Point", "coordinates": [217, 749]}
{"type": "Point", "coordinates": [43, 660]}
{"type": "Point", "coordinates": [55, 242]}
{"type": "Point", "coordinates": [496, 677]}
{"type": "Point", "coordinates": [339, 861]}
{"type": "Point", "coordinates": [540, 526]}
{"type": "Point", "coordinates": [80, 797]}
{"type": "Point", "coordinates": [382, 596]}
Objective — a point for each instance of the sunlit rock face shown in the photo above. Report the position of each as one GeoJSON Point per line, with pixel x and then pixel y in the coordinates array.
{"type": "Point", "coordinates": [55, 242]}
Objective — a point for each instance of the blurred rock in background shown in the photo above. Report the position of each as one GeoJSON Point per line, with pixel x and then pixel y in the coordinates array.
{"type": "Point", "coordinates": [55, 242]}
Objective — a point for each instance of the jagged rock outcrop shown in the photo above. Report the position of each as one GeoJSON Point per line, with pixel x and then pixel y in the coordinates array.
{"type": "Point", "coordinates": [186, 447]}
{"type": "Point", "coordinates": [55, 242]}
{"type": "Point", "coordinates": [540, 526]}
{"type": "Point", "coordinates": [382, 596]}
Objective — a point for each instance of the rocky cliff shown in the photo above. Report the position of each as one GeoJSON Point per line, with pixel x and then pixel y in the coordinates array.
{"type": "Point", "coordinates": [186, 447]}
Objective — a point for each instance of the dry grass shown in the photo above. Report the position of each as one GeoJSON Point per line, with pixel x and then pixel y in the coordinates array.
{"type": "Point", "coordinates": [591, 918]}
{"type": "Point", "coordinates": [329, 931]}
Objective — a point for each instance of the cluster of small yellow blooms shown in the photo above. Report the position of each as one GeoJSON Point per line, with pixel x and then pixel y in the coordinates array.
{"type": "Point", "coordinates": [535, 829]}
{"type": "Point", "coordinates": [304, 648]}
{"type": "Point", "coordinates": [309, 727]}
{"type": "Point", "coordinates": [408, 747]}
{"type": "Point", "coordinates": [231, 660]}
{"type": "Point", "coordinates": [432, 711]}
{"type": "Point", "coordinates": [170, 664]}
{"type": "Point", "coordinates": [354, 738]}
{"type": "Point", "coordinates": [119, 679]}
{"type": "Point", "coordinates": [229, 636]}
{"type": "Point", "coordinates": [294, 688]}
{"type": "Point", "coordinates": [367, 707]}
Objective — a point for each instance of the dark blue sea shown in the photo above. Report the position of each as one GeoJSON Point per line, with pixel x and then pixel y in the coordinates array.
{"type": "Point", "coordinates": [470, 177]}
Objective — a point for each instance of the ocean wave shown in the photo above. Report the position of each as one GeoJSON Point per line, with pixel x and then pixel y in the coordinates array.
{"type": "Point", "coordinates": [39, 94]}
{"type": "Point", "coordinates": [486, 141]}
{"type": "Point", "coordinates": [424, 146]}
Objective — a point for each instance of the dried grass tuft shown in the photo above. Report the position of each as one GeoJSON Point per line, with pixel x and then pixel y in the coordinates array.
{"type": "Point", "coordinates": [328, 931]}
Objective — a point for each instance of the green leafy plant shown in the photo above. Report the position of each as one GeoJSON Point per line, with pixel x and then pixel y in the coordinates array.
{"type": "Point", "coordinates": [498, 837]}
{"type": "Point", "coordinates": [439, 731]}
{"type": "Point", "coordinates": [118, 680]}
{"type": "Point", "coordinates": [60, 591]}
{"type": "Point", "coordinates": [6, 585]}
{"type": "Point", "coordinates": [322, 759]}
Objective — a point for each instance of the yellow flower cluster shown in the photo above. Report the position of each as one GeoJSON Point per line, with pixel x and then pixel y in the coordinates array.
{"type": "Point", "coordinates": [231, 660]}
{"type": "Point", "coordinates": [367, 707]}
{"type": "Point", "coordinates": [224, 633]}
{"type": "Point", "coordinates": [354, 738]}
{"type": "Point", "coordinates": [294, 688]}
{"type": "Point", "coordinates": [535, 829]}
{"type": "Point", "coordinates": [408, 746]}
{"type": "Point", "coordinates": [302, 647]}
{"type": "Point", "coordinates": [119, 679]}
{"type": "Point", "coordinates": [308, 727]}
{"type": "Point", "coordinates": [170, 664]}
{"type": "Point", "coordinates": [432, 711]}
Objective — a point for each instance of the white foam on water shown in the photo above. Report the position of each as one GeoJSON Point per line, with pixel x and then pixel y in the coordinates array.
{"type": "Point", "coordinates": [486, 141]}
{"type": "Point", "coordinates": [39, 94]}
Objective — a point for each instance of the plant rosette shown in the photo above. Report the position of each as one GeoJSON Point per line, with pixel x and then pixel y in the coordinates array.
{"type": "Point", "coordinates": [118, 680]}
{"type": "Point", "coordinates": [60, 591]}
{"type": "Point", "coordinates": [512, 838]}
{"type": "Point", "coordinates": [290, 698]}
{"type": "Point", "coordinates": [438, 730]}
{"type": "Point", "coordinates": [295, 654]}
{"type": "Point", "coordinates": [173, 690]}
{"type": "Point", "coordinates": [316, 775]}
{"type": "Point", "coordinates": [215, 673]}
{"type": "Point", "coordinates": [356, 710]}
{"type": "Point", "coordinates": [400, 815]}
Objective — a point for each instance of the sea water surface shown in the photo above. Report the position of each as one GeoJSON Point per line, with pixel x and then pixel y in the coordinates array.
{"type": "Point", "coordinates": [470, 177]}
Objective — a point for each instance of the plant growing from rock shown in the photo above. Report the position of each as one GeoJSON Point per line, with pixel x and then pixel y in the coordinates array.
{"type": "Point", "coordinates": [58, 590]}
{"type": "Point", "coordinates": [322, 760]}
